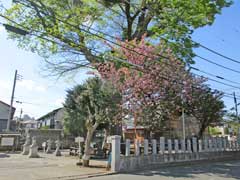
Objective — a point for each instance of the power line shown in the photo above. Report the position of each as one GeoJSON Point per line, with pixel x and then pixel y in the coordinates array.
{"type": "Point", "coordinates": [217, 53]}
{"type": "Point", "coordinates": [86, 31]}
{"type": "Point", "coordinates": [94, 35]}
{"type": "Point", "coordinates": [124, 61]}
{"type": "Point", "coordinates": [216, 76]}
{"type": "Point", "coordinates": [199, 44]}
{"type": "Point", "coordinates": [219, 65]}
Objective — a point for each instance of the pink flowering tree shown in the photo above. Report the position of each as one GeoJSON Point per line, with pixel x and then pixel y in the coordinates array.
{"type": "Point", "coordinates": [154, 84]}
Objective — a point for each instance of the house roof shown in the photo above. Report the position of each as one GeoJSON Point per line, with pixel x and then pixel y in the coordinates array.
{"type": "Point", "coordinates": [49, 114]}
{"type": "Point", "coordinates": [7, 104]}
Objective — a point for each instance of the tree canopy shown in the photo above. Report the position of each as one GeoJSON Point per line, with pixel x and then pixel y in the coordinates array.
{"type": "Point", "coordinates": [155, 90]}
{"type": "Point", "coordinates": [70, 34]}
{"type": "Point", "coordinates": [89, 106]}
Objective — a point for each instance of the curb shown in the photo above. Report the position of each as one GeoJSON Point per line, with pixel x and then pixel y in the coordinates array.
{"type": "Point", "coordinates": [81, 176]}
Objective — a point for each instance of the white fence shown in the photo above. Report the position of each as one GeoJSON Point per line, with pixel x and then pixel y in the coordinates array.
{"type": "Point", "coordinates": [162, 151]}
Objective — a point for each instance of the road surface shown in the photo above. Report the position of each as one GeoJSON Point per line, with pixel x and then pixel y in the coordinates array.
{"type": "Point", "coordinates": [213, 171]}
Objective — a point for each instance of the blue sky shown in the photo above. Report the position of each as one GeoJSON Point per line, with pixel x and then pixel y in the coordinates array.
{"type": "Point", "coordinates": [46, 94]}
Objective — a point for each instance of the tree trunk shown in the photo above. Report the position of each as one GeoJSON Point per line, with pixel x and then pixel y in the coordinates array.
{"type": "Point", "coordinates": [87, 150]}
{"type": "Point", "coordinates": [200, 133]}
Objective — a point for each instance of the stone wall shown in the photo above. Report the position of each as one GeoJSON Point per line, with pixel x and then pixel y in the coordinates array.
{"type": "Point", "coordinates": [165, 151]}
{"type": "Point", "coordinates": [44, 135]}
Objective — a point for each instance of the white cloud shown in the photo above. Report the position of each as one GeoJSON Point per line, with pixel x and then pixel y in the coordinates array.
{"type": "Point", "coordinates": [59, 102]}
{"type": "Point", "coordinates": [32, 86]}
{"type": "Point", "coordinates": [5, 84]}
{"type": "Point", "coordinates": [41, 88]}
{"type": "Point", "coordinates": [1, 28]}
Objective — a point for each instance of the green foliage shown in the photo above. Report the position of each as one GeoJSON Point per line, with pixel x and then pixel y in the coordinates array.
{"type": "Point", "coordinates": [66, 43]}
{"type": "Point", "coordinates": [207, 107]}
{"type": "Point", "coordinates": [93, 102]}
{"type": "Point", "coordinates": [214, 131]}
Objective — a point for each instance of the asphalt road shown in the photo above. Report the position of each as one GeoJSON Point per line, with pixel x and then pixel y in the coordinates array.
{"type": "Point", "coordinates": [204, 171]}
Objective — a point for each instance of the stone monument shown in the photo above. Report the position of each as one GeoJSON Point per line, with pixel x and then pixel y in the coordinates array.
{"type": "Point", "coordinates": [26, 146]}
{"type": "Point", "coordinates": [49, 146]}
{"type": "Point", "coordinates": [57, 151]}
{"type": "Point", "coordinates": [33, 153]}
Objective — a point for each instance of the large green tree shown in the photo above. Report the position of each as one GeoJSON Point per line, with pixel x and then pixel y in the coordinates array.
{"type": "Point", "coordinates": [95, 103]}
{"type": "Point", "coordinates": [74, 116]}
{"type": "Point", "coordinates": [62, 31]}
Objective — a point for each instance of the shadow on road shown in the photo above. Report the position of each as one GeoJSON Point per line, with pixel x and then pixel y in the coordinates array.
{"type": "Point", "coordinates": [222, 169]}
{"type": "Point", "coordinates": [4, 156]}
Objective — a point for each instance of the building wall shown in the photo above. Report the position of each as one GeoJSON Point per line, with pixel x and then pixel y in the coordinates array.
{"type": "Point", "coordinates": [58, 119]}
{"type": "Point", "coordinates": [4, 111]}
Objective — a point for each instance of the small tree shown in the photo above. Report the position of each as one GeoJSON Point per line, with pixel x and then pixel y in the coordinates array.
{"type": "Point", "coordinates": [206, 106]}
{"type": "Point", "coordinates": [97, 103]}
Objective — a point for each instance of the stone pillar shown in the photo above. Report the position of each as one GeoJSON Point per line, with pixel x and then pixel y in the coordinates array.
{"type": "Point", "coordinates": [189, 148]}
{"type": "Point", "coordinates": [154, 146]}
{"type": "Point", "coordinates": [194, 144]}
{"type": "Point", "coordinates": [115, 162]}
{"type": "Point", "coordinates": [235, 145]}
{"type": "Point", "coordinates": [145, 147]}
{"type": "Point", "coordinates": [218, 146]}
{"type": "Point", "coordinates": [49, 146]}
{"type": "Point", "coordinates": [26, 146]}
{"type": "Point", "coordinates": [224, 143]}
{"type": "Point", "coordinates": [221, 143]}
{"type": "Point", "coordinates": [210, 145]}
{"type": "Point", "coordinates": [127, 150]}
{"type": "Point", "coordinates": [176, 145]}
{"type": "Point", "coordinates": [33, 153]}
{"type": "Point", "coordinates": [169, 146]}
{"type": "Point", "coordinates": [206, 143]}
{"type": "Point", "coordinates": [200, 145]}
{"type": "Point", "coordinates": [170, 150]}
{"type": "Point", "coordinates": [137, 147]}
{"type": "Point", "coordinates": [162, 145]}
{"type": "Point", "coordinates": [183, 145]}
{"type": "Point", "coordinates": [57, 151]}
{"type": "Point", "coordinates": [238, 139]}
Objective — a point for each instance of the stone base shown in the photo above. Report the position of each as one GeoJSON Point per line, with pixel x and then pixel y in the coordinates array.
{"type": "Point", "coordinates": [57, 153]}
{"type": "Point", "coordinates": [33, 153]}
{"type": "Point", "coordinates": [25, 150]}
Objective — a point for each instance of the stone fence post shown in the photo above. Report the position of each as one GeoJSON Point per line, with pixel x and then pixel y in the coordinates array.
{"type": "Point", "coordinates": [127, 152]}
{"type": "Point", "coordinates": [162, 145]}
{"type": "Point", "coordinates": [189, 148]}
{"type": "Point", "coordinates": [137, 147]}
{"type": "Point", "coordinates": [145, 147]}
{"type": "Point", "coordinates": [115, 162]}
{"type": "Point", "coordinates": [200, 149]}
{"type": "Point", "coordinates": [176, 145]}
{"type": "Point", "coordinates": [183, 145]}
{"type": "Point", "coordinates": [194, 144]}
{"type": "Point", "coordinates": [154, 146]}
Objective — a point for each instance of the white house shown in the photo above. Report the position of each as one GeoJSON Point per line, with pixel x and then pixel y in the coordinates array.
{"type": "Point", "coordinates": [52, 120]}
{"type": "Point", "coordinates": [4, 112]}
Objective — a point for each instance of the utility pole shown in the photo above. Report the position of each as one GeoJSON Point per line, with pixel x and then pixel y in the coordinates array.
{"type": "Point", "coordinates": [20, 117]}
{"type": "Point", "coordinates": [236, 105]}
{"type": "Point", "coordinates": [11, 104]}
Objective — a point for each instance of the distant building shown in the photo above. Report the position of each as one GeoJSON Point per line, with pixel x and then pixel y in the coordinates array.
{"type": "Point", "coordinates": [52, 120]}
{"type": "Point", "coordinates": [29, 124]}
{"type": "Point", "coordinates": [4, 112]}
